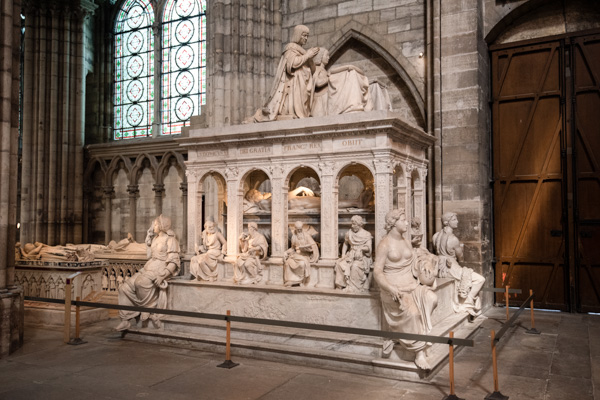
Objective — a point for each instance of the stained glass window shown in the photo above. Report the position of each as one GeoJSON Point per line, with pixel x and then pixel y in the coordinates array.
{"type": "Point", "coordinates": [183, 80]}
{"type": "Point", "coordinates": [134, 70]}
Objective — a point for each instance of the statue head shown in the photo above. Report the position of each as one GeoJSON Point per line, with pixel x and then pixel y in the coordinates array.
{"type": "Point", "coordinates": [298, 225]}
{"type": "Point", "coordinates": [300, 34]}
{"type": "Point", "coordinates": [450, 219]}
{"type": "Point", "coordinates": [252, 227]}
{"type": "Point", "coordinates": [392, 217]}
{"type": "Point", "coordinates": [209, 226]}
{"type": "Point", "coordinates": [322, 56]}
{"type": "Point", "coordinates": [357, 222]}
{"type": "Point", "coordinates": [162, 224]}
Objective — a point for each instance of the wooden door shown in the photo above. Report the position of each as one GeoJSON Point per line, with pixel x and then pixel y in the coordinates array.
{"type": "Point", "coordinates": [546, 149]}
{"type": "Point", "coordinates": [586, 164]}
{"type": "Point", "coordinates": [528, 136]}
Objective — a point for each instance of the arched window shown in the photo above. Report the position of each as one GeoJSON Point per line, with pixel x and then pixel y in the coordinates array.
{"type": "Point", "coordinates": [183, 72]}
{"type": "Point", "coordinates": [134, 70]}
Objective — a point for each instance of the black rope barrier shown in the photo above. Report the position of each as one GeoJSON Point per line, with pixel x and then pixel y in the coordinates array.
{"type": "Point", "coordinates": [509, 323]}
{"type": "Point", "coordinates": [263, 321]}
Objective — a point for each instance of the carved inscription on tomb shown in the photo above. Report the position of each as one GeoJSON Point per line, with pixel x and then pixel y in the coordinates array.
{"type": "Point", "coordinates": [301, 148]}
{"type": "Point", "coordinates": [254, 151]}
{"type": "Point", "coordinates": [353, 143]}
{"type": "Point", "coordinates": [216, 153]}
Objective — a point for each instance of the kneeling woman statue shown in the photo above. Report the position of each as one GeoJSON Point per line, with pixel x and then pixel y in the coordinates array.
{"type": "Point", "coordinates": [148, 287]}
{"type": "Point", "coordinates": [406, 293]}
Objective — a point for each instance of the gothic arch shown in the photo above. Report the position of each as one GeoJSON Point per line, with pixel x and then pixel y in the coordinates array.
{"type": "Point", "coordinates": [389, 52]}
{"type": "Point", "coordinates": [115, 166]}
{"type": "Point", "coordinates": [163, 166]}
{"type": "Point", "coordinates": [138, 167]}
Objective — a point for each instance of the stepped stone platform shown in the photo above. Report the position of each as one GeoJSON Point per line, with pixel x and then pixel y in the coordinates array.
{"type": "Point", "coordinates": [347, 352]}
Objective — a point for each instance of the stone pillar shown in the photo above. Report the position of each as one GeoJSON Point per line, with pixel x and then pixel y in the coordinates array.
{"type": "Point", "coordinates": [421, 202]}
{"type": "Point", "coordinates": [329, 213]}
{"type": "Point", "coordinates": [194, 210]}
{"type": "Point", "coordinates": [11, 297]}
{"type": "Point", "coordinates": [279, 209]}
{"type": "Point", "coordinates": [109, 192]}
{"type": "Point", "coordinates": [410, 193]}
{"type": "Point", "coordinates": [235, 212]}
{"type": "Point", "coordinates": [184, 197]}
{"type": "Point", "coordinates": [244, 46]}
{"type": "Point", "coordinates": [133, 191]}
{"type": "Point", "coordinates": [383, 193]}
{"type": "Point", "coordinates": [53, 101]}
{"type": "Point", "coordinates": [159, 190]}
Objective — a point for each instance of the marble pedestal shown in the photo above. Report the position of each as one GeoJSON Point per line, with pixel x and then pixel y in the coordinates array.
{"type": "Point", "coordinates": [347, 352]}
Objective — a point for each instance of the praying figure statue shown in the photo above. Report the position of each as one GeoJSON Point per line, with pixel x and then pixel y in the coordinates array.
{"type": "Point", "coordinates": [253, 247]}
{"type": "Point", "coordinates": [352, 269]}
{"type": "Point", "coordinates": [467, 283]}
{"type": "Point", "coordinates": [292, 92]}
{"type": "Point", "coordinates": [203, 265]}
{"type": "Point", "coordinates": [297, 259]}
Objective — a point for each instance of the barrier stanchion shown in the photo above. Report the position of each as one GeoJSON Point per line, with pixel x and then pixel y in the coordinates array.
{"type": "Point", "coordinates": [452, 395]}
{"type": "Point", "coordinates": [67, 327]}
{"type": "Point", "coordinates": [228, 363]}
{"type": "Point", "coordinates": [506, 299]}
{"type": "Point", "coordinates": [532, 331]}
{"type": "Point", "coordinates": [496, 395]}
{"type": "Point", "coordinates": [77, 340]}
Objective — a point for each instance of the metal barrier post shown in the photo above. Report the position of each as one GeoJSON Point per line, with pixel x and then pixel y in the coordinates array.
{"type": "Point", "coordinates": [228, 363]}
{"type": "Point", "coordinates": [496, 395]}
{"type": "Point", "coordinates": [506, 299]}
{"type": "Point", "coordinates": [532, 331]}
{"type": "Point", "coordinates": [77, 340]}
{"type": "Point", "coordinates": [452, 395]}
{"type": "Point", "coordinates": [67, 327]}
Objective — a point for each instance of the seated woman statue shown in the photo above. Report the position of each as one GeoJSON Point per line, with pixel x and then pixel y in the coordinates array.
{"type": "Point", "coordinates": [297, 259]}
{"type": "Point", "coordinates": [253, 246]}
{"type": "Point", "coordinates": [352, 269]}
{"type": "Point", "coordinates": [203, 265]}
{"type": "Point", "coordinates": [407, 304]}
{"type": "Point", "coordinates": [148, 287]}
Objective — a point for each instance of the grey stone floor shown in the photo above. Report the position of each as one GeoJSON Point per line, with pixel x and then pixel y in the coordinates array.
{"type": "Point", "coordinates": [561, 363]}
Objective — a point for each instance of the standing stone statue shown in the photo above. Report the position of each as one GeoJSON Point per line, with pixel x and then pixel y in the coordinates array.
{"type": "Point", "coordinates": [297, 259]}
{"type": "Point", "coordinates": [148, 287]}
{"type": "Point", "coordinates": [292, 92]}
{"type": "Point", "coordinates": [203, 265]}
{"type": "Point", "coordinates": [253, 246]}
{"type": "Point", "coordinates": [352, 269]}
{"type": "Point", "coordinates": [467, 283]}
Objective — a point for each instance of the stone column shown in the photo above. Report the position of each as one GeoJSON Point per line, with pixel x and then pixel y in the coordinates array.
{"type": "Point", "coordinates": [383, 193]}
{"type": "Point", "coordinates": [329, 213]}
{"type": "Point", "coordinates": [279, 209]}
{"type": "Point", "coordinates": [133, 191]}
{"type": "Point", "coordinates": [410, 193]}
{"type": "Point", "coordinates": [11, 297]}
{"type": "Point", "coordinates": [109, 192]}
{"type": "Point", "coordinates": [53, 102]}
{"type": "Point", "coordinates": [420, 202]}
{"type": "Point", "coordinates": [194, 210]}
{"type": "Point", "coordinates": [159, 190]}
{"type": "Point", "coordinates": [235, 212]}
{"type": "Point", "coordinates": [184, 197]}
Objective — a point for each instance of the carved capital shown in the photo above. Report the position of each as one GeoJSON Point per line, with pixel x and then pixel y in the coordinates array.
{"type": "Point", "coordinates": [133, 190]}
{"type": "Point", "coordinates": [158, 188]}
{"type": "Point", "coordinates": [383, 166]}
{"type": "Point", "coordinates": [184, 188]}
{"type": "Point", "coordinates": [109, 191]}
{"type": "Point", "coordinates": [231, 172]}
{"type": "Point", "coordinates": [327, 167]}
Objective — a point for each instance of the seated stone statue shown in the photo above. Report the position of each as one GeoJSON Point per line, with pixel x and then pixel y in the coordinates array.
{"type": "Point", "coordinates": [297, 259]}
{"type": "Point", "coordinates": [253, 246]}
{"type": "Point", "coordinates": [352, 269]}
{"type": "Point", "coordinates": [203, 265]}
{"type": "Point", "coordinates": [407, 301]}
{"type": "Point", "coordinates": [321, 81]}
{"type": "Point", "coordinates": [148, 287]}
{"type": "Point", "coordinates": [467, 282]}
